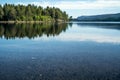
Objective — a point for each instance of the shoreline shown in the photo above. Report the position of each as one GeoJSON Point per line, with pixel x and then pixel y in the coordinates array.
{"type": "Point", "coordinates": [59, 21]}
{"type": "Point", "coordinates": [12, 22]}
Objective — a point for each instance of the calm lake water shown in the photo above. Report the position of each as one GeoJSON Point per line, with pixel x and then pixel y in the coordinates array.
{"type": "Point", "coordinates": [64, 51]}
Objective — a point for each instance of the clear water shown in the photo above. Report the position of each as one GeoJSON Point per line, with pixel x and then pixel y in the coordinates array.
{"type": "Point", "coordinates": [66, 51]}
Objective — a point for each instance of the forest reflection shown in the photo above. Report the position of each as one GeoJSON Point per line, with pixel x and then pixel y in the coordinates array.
{"type": "Point", "coordinates": [12, 31]}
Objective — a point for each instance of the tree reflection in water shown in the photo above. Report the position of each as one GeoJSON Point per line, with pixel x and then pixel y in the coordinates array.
{"type": "Point", "coordinates": [12, 31]}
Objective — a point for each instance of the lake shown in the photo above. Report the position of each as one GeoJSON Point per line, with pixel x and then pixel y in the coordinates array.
{"type": "Point", "coordinates": [60, 51]}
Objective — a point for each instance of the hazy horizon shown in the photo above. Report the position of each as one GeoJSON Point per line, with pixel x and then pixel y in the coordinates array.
{"type": "Point", "coordinates": [75, 8]}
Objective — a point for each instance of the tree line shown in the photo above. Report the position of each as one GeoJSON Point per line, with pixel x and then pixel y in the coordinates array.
{"type": "Point", "coordinates": [31, 12]}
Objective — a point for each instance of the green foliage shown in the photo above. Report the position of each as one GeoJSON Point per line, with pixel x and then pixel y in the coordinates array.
{"type": "Point", "coordinates": [30, 13]}
{"type": "Point", "coordinates": [12, 14]}
{"type": "Point", "coordinates": [1, 12]}
{"type": "Point", "coordinates": [46, 18]}
{"type": "Point", "coordinates": [70, 18]}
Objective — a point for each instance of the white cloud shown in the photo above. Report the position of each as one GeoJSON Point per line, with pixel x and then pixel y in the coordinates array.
{"type": "Point", "coordinates": [98, 4]}
{"type": "Point", "coordinates": [85, 34]}
{"type": "Point", "coordinates": [82, 37]}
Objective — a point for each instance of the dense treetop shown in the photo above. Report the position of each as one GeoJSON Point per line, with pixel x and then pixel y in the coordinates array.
{"type": "Point", "coordinates": [30, 13]}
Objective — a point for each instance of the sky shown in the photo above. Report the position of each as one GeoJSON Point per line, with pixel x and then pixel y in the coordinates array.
{"type": "Point", "coordinates": [75, 8]}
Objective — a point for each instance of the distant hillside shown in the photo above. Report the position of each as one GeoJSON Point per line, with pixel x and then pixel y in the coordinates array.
{"type": "Point", "coordinates": [105, 17]}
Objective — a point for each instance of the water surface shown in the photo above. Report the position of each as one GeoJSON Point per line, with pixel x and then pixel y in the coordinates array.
{"type": "Point", "coordinates": [64, 51]}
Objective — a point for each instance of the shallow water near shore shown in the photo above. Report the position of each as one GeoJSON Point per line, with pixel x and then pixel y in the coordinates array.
{"type": "Point", "coordinates": [65, 51]}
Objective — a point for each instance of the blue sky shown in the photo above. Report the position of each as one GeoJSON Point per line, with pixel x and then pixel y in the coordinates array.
{"type": "Point", "coordinates": [75, 8]}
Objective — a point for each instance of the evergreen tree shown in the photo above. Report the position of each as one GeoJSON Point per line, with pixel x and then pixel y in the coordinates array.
{"type": "Point", "coordinates": [1, 13]}
{"type": "Point", "coordinates": [30, 13]}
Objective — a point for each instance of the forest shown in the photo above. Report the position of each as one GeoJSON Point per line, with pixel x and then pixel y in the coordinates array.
{"type": "Point", "coordinates": [30, 12]}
